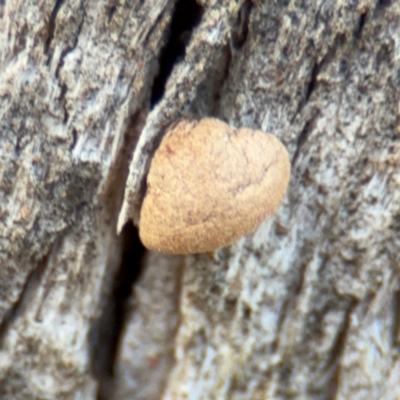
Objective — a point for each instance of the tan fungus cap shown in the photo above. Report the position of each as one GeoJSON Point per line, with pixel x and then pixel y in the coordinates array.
{"type": "Point", "coordinates": [210, 184]}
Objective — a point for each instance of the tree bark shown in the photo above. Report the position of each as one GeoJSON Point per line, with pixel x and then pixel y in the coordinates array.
{"type": "Point", "coordinates": [307, 307]}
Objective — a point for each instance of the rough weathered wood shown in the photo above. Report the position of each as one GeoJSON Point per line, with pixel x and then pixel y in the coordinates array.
{"type": "Point", "coordinates": [146, 356]}
{"type": "Point", "coordinates": [75, 76]}
{"type": "Point", "coordinates": [305, 308]}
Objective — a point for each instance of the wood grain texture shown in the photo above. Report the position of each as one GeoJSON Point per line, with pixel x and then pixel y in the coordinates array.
{"type": "Point", "coordinates": [305, 308]}
{"type": "Point", "coordinates": [73, 76]}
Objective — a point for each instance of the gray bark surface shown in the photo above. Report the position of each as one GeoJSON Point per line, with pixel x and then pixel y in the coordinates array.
{"type": "Point", "coordinates": [305, 308]}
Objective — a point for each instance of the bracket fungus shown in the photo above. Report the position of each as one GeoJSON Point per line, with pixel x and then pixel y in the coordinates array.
{"type": "Point", "coordinates": [210, 184]}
